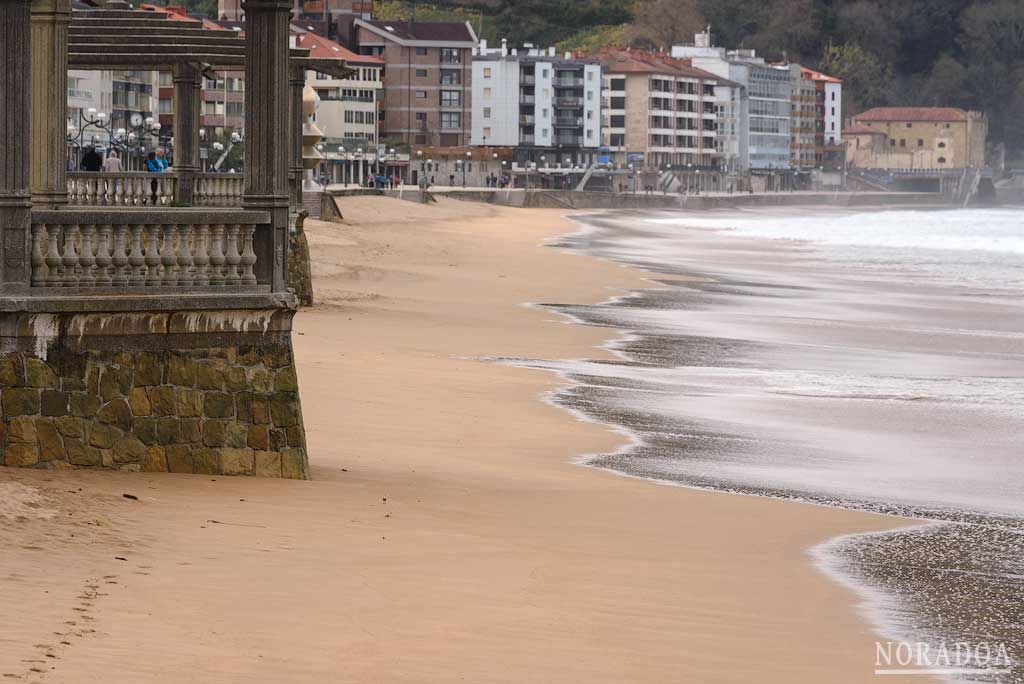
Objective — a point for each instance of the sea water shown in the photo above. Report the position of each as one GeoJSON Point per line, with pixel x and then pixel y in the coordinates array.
{"type": "Point", "coordinates": [870, 360]}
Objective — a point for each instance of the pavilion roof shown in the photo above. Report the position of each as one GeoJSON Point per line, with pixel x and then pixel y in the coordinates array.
{"type": "Point", "coordinates": [153, 39]}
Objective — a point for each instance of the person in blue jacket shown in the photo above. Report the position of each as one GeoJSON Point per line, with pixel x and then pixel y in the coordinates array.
{"type": "Point", "coordinates": [153, 165]}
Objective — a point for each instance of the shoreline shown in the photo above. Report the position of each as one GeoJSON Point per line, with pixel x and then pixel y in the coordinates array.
{"type": "Point", "coordinates": [446, 532]}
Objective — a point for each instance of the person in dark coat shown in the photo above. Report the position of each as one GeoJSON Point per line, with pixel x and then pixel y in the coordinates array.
{"type": "Point", "coordinates": [91, 160]}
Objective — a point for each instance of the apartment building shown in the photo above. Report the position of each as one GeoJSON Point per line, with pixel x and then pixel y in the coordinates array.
{"type": "Point", "coordinates": [427, 79]}
{"type": "Point", "coordinates": [828, 142]}
{"type": "Point", "coordinates": [662, 112]}
{"type": "Point", "coordinates": [89, 90]}
{"type": "Point", "coordinates": [766, 93]}
{"type": "Point", "coordinates": [349, 107]}
{"type": "Point", "coordinates": [540, 103]}
{"type": "Point", "coordinates": [803, 122]}
{"type": "Point", "coordinates": [917, 138]}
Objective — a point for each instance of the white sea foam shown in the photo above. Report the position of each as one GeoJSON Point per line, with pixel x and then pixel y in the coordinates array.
{"type": "Point", "coordinates": [990, 230]}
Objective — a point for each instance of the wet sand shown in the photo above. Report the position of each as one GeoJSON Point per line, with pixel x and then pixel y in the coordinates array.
{"type": "Point", "coordinates": [446, 534]}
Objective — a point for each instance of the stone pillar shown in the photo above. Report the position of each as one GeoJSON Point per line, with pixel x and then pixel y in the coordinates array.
{"type": "Point", "coordinates": [267, 139]}
{"type": "Point", "coordinates": [187, 83]}
{"type": "Point", "coordinates": [50, 21]}
{"type": "Point", "coordinates": [15, 188]}
{"type": "Point", "coordinates": [296, 84]}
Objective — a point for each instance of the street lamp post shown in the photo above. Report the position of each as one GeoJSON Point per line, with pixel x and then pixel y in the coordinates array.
{"type": "Point", "coordinates": [465, 164]}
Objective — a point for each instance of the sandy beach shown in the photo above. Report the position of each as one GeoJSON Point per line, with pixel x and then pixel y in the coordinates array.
{"type": "Point", "coordinates": [446, 534]}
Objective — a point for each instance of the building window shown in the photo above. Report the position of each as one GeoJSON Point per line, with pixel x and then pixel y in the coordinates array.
{"type": "Point", "coordinates": [421, 117]}
{"type": "Point", "coordinates": [544, 73]}
{"type": "Point", "coordinates": [910, 125]}
{"type": "Point", "coordinates": [450, 98]}
{"type": "Point", "coordinates": [451, 56]}
{"type": "Point", "coordinates": [487, 112]}
{"type": "Point", "coordinates": [544, 113]}
{"type": "Point", "coordinates": [487, 72]}
{"type": "Point", "coordinates": [451, 120]}
{"type": "Point", "coordinates": [487, 92]}
{"type": "Point", "coordinates": [618, 84]}
{"type": "Point", "coordinates": [920, 143]}
{"type": "Point", "coordinates": [421, 73]}
{"type": "Point", "coordinates": [618, 121]}
{"type": "Point", "coordinates": [892, 143]}
{"type": "Point", "coordinates": [590, 134]}
{"type": "Point", "coordinates": [903, 142]}
{"type": "Point", "coordinates": [833, 96]}
{"type": "Point", "coordinates": [942, 145]}
{"type": "Point", "coordinates": [421, 94]}
{"type": "Point", "coordinates": [590, 75]}
{"type": "Point", "coordinates": [421, 51]}
{"type": "Point", "coordinates": [487, 133]}
{"type": "Point", "coordinates": [451, 77]}
{"type": "Point", "coordinates": [942, 160]}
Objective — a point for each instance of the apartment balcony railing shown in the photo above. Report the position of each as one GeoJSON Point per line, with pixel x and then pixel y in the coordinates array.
{"type": "Point", "coordinates": [568, 82]}
{"type": "Point", "coordinates": [568, 101]}
{"type": "Point", "coordinates": [84, 94]}
{"type": "Point", "coordinates": [527, 80]}
{"type": "Point", "coordinates": [568, 122]}
{"type": "Point", "coordinates": [569, 140]}
{"type": "Point", "coordinates": [116, 251]}
{"type": "Point", "coordinates": [527, 119]}
{"type": "Point", "coordinates": [526, 139]}
{"type": "Point", "coordinates": [527, 99]}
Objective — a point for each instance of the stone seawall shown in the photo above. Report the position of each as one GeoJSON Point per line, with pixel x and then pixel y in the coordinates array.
{"type": "Point", "coordinates": [212, 393]}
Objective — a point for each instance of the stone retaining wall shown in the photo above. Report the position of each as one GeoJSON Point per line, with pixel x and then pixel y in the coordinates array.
{"type": "Point", "coordinates": [186, 399]}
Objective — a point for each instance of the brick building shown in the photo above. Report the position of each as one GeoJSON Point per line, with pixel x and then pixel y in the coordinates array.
{"type": "Point", "coordinates": [427, 79]}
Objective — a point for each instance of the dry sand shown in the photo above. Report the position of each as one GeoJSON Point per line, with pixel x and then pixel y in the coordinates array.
{"type": "Point", "coordinates": [445, 536]}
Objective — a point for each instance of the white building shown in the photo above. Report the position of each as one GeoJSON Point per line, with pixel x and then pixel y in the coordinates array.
{"type": "Point", "coordinates": [766, 100]}
{"type": "Point", "coordinates": [537, 102]}
{"type": "Point", "coordinates": [348, 112]}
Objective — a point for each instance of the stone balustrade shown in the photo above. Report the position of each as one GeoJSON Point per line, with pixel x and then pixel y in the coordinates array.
{"type": "Point", "coordinates": [126, 189]}
{"type": "Point", "coordinates": [142, 251]}
{"type": "Point", "coordinates": [218, 189]}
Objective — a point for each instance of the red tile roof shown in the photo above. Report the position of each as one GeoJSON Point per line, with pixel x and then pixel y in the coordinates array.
{"type": "Point", "coordinates": [324, 48]}
{"type": "Point", "coordinates": [912, 114]}
{"type": "Point", "coordinates": [629, 60]}
{"type": "Point", "coordinates": [818, 76]}
{"type": "Point", "coordinates": [431, 31]}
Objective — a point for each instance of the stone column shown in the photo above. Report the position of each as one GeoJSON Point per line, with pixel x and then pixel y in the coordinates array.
{"type": "Point", "coordinates": [267, 138]}
{"type": "Point", "coordinates": [15, 188]}
{"type": "Point", "coordinates": [296, 83]}
{"type": "Point", "coordinates": [187, 83]}
{"type": "Point", "coordinates": [49, 105]}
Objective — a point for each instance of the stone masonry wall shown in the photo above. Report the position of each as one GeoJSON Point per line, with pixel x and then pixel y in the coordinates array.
{"type": "Point", "coordinates": [219, 410]}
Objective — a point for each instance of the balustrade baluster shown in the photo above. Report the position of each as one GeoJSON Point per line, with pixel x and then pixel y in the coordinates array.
{"type": "Point", "coordinates": [54, 263]}
{"type": "Point", "coordinates": [167, 256]}
{"type": "Point", "coordinates": [119, 277]}
{"type": "Point", "coordinates": [217, 255]}
{"type": "Point", "coordinates": [231, 256]}
{"type": "Point", "coordinates": [69, 256]}
{"type": "Point", "coordinates": [119, 192]}
{"type": "Point", "coordinates": [103, 255]}
{"type": "Point", "coordinates": [248, 255]}
{"type": "Point", "coordinates": [185, 274]}
{"type": "Point", "coordinates": [39, 269]}
{"type": "Point", "coordinates": [87, 257]}
{"type": "Point", "coordinates": [136, 259]}
{"type": "Point", "coordinates": [152, 256]}
{"type": "Point", "coordinates": [202, 255]}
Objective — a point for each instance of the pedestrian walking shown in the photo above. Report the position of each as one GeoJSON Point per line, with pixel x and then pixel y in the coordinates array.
{"type": "Point", "coordinates": [91, 160]}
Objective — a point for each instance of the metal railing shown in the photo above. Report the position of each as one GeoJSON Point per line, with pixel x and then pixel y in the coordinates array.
{"type": "Point", "coordinates": [144, 250]}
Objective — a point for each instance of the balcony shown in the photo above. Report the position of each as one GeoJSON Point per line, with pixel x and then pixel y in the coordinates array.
{"type": "Point", "coordinates": [569, 122]}
{"type": "Point", "coordinates": [569, 102]}
{"type": "Point", "coordinates": [527, 99]}
{"type": "Point", "coordinates": [526, 140]}
{"type": "Point", "coordinates": [568, 82]}
{"type": "Point", "coordinates": [527, 119]}
{"type": "Point", "coordinates": [569, 140]}
{"type": "Point", "coordinates": [527, 80]}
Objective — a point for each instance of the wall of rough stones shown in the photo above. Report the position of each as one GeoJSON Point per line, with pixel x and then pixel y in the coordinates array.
{"type": "Point", "coordinates": [218, 410]}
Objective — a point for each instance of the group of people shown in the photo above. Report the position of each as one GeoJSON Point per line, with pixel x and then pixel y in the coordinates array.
{"type": "Point", "coordinates": [382, 181]}
{"type": "Point", "coordinates": [494, 181]}
{"type": "Point", "coordinates": [156, 162]}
